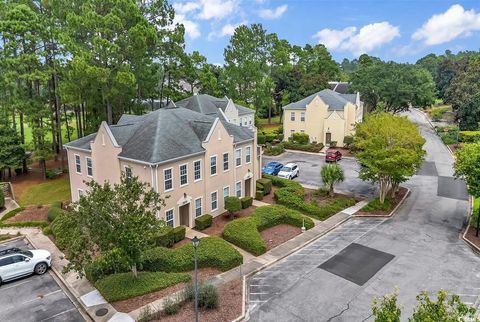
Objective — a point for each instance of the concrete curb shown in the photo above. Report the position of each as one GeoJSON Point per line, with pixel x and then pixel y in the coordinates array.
{"type": "Point", "coordinates": [464, 235]}
{"type": "Point", "coordinates": [12, 239]}
{"type": "Point", "coordinates": [391, 212]}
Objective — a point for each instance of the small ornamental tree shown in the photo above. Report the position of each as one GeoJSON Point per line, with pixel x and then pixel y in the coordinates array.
{"type": "Point", "coordinates": [119, 217]}
{"type": "Point", "coordinates": [386, 309]}
{"type": "Point", "coordinates": [389, 150]}
{"type": "Point", "coordinates": [232, 205]}
{"type": "Point", "coordinates": [467, 161]}
{"type": "Point", "coordinates": [331, 174]}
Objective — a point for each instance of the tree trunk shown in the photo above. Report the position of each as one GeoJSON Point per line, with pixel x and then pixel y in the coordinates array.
{"type": "Point", "coordinates": [134, 270]}
{"type": "Point", "coordinates": [330, 191]}
{"type": "Point", "coordinates": [383, 188]}
{"type": "Point", "coordinates": [43, 166]}
{"type": "Point", "coordinates": [394, 189]}
{"type": "Point", "coordinates": [22, 138]}
{"type": "Point", "coordinates": [109, 112]}
{"type": "Point", "coordinates": [66, 122]}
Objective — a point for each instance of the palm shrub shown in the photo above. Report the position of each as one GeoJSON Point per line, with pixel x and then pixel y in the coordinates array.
{"type": "Point", "coordinates": [331, 174]}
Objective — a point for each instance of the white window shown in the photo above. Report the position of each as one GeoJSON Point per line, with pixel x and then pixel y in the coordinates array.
{"type": "Point", "coordinates": [225, 161]}
{"type": "Point", "coordinates": [238, 189]}
{"type": "Point", "coordinates": [213, 196]}
{"type": "Point", "coordinates": [169, 217]}
{"type": "Point", "coordinates": [183, 175]}
{"type": "Point", "coordinates": [167, 179]}
{"type": "Point", "coordinates": [198, 207]}
{"type": "Point", "coordinates": [226, 192]}
{"type": "Point", "coordinates": [302, 116]}
{"type": "Point", "coordinates": [213, 165]}
{"type": "Point", "coordinates": [248, 154]}
{"type": "Point", "coordinates": [292, 116]}
{"type": "Point", "coordinates": [89, 167]}
{"type": "Point", "coordinates": [78, 164]}
{"type": "Point", "coordinates": [128, 171]}
{"type": "Point", "coordinates": [197, 167]}
{"type": "Point", "coordinates": [238, 157]}
{"type": "Point", "coordinates": [302, 131]}
{"type": "Point", "coordinates": [80, 193]}
{"type": "Point", "coordinates": [291, 132]}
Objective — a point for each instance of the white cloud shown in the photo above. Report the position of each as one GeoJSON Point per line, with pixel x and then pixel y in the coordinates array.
{"type": "Point", "coordinates": [273, 13]}
{"type": "Point", "coordinates": [192, 29]}
{"type": "Point", "coordinates": [447, 26]}
{"type": "Point", "coordinates": [227, 30]}
{"type": "Point", "coordinates": [183, 8]}
{"type": "Point", "coordinates": [369, 37]}
{"type": "Point", "coordinates": [216, 9]}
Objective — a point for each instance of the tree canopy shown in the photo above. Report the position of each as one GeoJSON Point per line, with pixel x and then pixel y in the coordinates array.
{"type": "Point", "coordinates": [467, 161]}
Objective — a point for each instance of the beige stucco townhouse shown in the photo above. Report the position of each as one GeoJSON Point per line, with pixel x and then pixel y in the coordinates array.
{"type": "Point", "coordinates": [325, 116]}
{"type": "Point", "coordinates": [194, 158]}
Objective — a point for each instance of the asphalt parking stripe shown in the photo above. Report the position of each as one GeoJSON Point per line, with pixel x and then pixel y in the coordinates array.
{"type": "Point", "coordinates": [58, 314]}
{"type": "Point", "coordinates": [42, 296]}
{"type": "Point", "coordinates": [14, 285]}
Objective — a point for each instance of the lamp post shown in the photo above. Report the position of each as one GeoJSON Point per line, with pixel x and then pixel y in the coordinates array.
{"type": "Point", "coordinates": [195, 242]}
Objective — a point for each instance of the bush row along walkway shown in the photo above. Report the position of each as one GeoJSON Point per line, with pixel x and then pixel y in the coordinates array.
{"type": "Point", "coordinates": [256, 263]}
{"type": "Point", "coordinates": [85, 296]}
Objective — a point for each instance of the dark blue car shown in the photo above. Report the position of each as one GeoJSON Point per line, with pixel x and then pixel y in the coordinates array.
{"type": "Point", "coordinates": [272, 168]}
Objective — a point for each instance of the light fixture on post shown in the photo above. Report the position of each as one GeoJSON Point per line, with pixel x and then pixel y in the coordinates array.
{"type": "Point", "coordinates": [303, 225]}
{"type": "Point", "coordinates": [195, 242]}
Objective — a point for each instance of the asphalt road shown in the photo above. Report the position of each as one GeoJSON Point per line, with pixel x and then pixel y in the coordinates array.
{"type": "Point", "coordinates": [311, 164]}
{"type": "Point", "coordinates": [35, 298]}
{"type": "Point", "coordinates": [423, 238]}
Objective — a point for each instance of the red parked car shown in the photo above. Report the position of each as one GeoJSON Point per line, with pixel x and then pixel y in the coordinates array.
{"type": "Point", "coordinates": [333, 156]}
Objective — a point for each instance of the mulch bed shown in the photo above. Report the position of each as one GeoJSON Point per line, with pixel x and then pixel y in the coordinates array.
{"type": "Point", "coordinates": [229, 306]}
{"type": "Point", "coordinates": [279, 234]}
{"type": "Point", "coordinates": [139, 301]}
{"type": "Point", "coordinates": [32, 213]}
{"type": "Point", "coordinates": [470, 235]}
{"type": "Point", "coordinates": [221, 220]}
{"type": "Point", "coordinates": [384, 213]}
{"type": "Point", "coordinates": [312, 195]}
{"type": "Point", "coordinates": [270, 198]}
{"type": "Point", "coordinates": [343, 151]}
{"type": "Point", "coordinates": [454, 147]}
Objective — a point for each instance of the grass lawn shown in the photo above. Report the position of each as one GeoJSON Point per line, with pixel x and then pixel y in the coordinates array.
{"type": "Point", "coordinates": [47, 193]}
{"type": "Point", "coordinates": [28, 130]}
{"type": "Point", "coordinates": [476, 206]}
{"type": "Point", "coordinates": [275, 119]}
{"type": "Point", "coordinates": [123, 286]}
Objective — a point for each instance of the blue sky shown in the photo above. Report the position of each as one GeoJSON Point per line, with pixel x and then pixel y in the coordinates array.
{"type": "Point", "coordinates": [399, 30]}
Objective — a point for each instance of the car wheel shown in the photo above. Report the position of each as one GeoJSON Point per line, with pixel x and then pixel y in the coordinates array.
{"type": "Point", "coordinates": [298, 174]}
{"type": "Point", "coordinates": [41, 268]}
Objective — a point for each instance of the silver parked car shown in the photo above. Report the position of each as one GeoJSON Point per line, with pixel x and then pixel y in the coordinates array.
{"type": "Point", "coordinates": [16, 263]}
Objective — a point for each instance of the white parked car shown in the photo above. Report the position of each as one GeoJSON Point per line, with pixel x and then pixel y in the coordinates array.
{"type": "Point", "coordinates": [289, 171]}
{"type": "Point", "coordinates": [16, 263]}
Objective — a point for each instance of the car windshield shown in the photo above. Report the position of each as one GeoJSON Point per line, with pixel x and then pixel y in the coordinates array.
{"type": "Point", "coordinates": [286, 169]}
{"type": "Point", "coordinates": [271, 166]}
{"type": "Point", "coordinates": [330, 153]}
{"type": "Point", "coordinates": [26, 253]}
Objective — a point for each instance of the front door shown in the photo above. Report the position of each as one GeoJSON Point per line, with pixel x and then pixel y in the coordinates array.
{"type": "Point", "coordinates": [185, 215]}
{"type": "Point", "coordinates": [247, 187]}
{"type": "Point", "coordinates": [328, 138]}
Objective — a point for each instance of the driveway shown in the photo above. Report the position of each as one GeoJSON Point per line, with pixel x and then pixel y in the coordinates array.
{"type": "Point", "coordinates": [336, 277]}
{"type": "Point", "coordinates": [35, 298]}
{"type": "Point", "coordinates": [311, 164]}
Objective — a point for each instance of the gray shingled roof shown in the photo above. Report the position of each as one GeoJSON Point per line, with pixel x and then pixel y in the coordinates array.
{"type": "Point", "coordinates": [350, 97]}
{"type": "Point", "coordinates": [334, 100]}
{"type": "Point", "coordinates": [165, 134]}
{"type": "Point", "coordinates": [207, 104]}
{"type": "Point", "coordinates": [82, 143]}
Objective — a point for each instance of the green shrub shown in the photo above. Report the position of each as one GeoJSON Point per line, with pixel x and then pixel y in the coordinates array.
{"type": "Point", "coordinates": [436, 113]}
{"type": "Point", "coordinates": [123, 286]}
{"type": "Point", "coordinates": [265, 185]}
{"type": "Point", "coordinates": [50, 174]}
{"type": "Point", "coordinates": [207, 294]}
{"type": "Point", "coordinates": [245, 232]}
{"type": "Point", "coordinates": [476, 207]}
{"type": "Point", "coordinates": [259, 194]}
{"type": "Point", "coordinates": [246, 202]}
{"type": "Point", "coordinates": [300, 138]}
{"type": "Point", "coordinates": [310, 147]}
{"type": "Point", "coordinates": [333, 144]}
{"type": "Point", "coordinates": [347, 140]}
{"type": "Point", "coordinates": [233, 204]}
{"type": "Point", "coordinates": [39, 224]}
{"type": "Point", "coordinates": [274, 149]}
{"type": "Point", "coordinates": [178, 233]}
{"type": "Point", "coordinates": [54, 212]}
{"type": "Point", "coordinates": [2, 198]}
{"type": "Point", "coordinates": [12, 213]}
{"type": "Point", "coordinates": [47, 230]}
{"type": "Point", "coordinates": [375, 204]}
{"type": "Point", "coordinates": [269, 137]}
{"type": "Point", "coordinates": [171, 306]}
{"type": "Point", "coordinates": [469, 136]}
{"type": "Point", "coordinates": [112, 262]}
{"type": "Point", "coordinates": [165, 237]}
{"type": "Point", "coordinates": [261, 139]}
{"type": "Point", "coordinates": [212, 252]}
{"type": "Point", "coordinates": [203, 222]}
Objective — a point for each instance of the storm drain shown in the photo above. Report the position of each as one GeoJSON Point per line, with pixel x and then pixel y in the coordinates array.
{"type": "Point", "coordinates": [357, 263]}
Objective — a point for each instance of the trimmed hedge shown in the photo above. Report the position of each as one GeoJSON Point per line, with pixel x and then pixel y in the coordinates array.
{"type": "Point", "coordinates": [179, 233]}
{"type": "Point", "coordinates": [123, 286]}
{"type": "Point", "coordinates": [291, 194]}
{"type": "Point", "coordinates": [212, 252]}
{"type": "Point", "coordinates": [203, 222]}
{"type": "Point", "coordinates": [259, 194]}
{"type": "Point", "coordinates": [12, 213]}
{"type": "Point", "coordinates": [106, 264]}
{"type": "Point", "coordinates": [39, 224]}
{"type": "Point", "coordinates": [265, 185]}
{"type": "Point", "coordinates": [309, 147]}
{"type": "Point", "coordinates": [300, 138]}
{"type": "Point", "coordinates": [469, 136]}
{"type": "Point", "coordinates": [245, 232]}
{"type": "Point", "coordinates": [274, 149]}
{"type": "Point", "coordinates": [246, 202]}
{"type": "Point", "coordinates": [165, 237]}
{"type": "Point", "coordinates": [261, 139]}
{"type": "Point", "coordinates": [54, 212]}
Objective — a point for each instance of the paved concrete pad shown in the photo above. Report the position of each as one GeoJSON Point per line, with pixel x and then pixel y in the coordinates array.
{"type": "Point", "coordinates": [452, 188]}
{"type": "Point", "coordinates": [357, 263]}
{"type": "Point", "coordinates": [428, 169]}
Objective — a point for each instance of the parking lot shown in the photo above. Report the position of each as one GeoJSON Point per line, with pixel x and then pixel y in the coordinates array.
{"type": "Point", "coordinates": [35, 298]}
{"type": "Point", "coordinates": [311, 164]}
